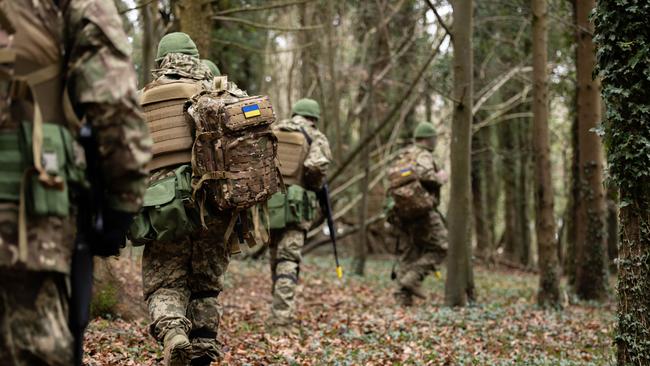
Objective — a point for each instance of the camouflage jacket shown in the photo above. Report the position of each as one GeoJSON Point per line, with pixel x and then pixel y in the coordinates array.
{"type": "Point", "coordinates": [100, 80]}
{"type": "Point", "coordinates": [319, 155]}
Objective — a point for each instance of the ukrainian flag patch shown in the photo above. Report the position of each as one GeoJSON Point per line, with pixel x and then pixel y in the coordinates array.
{"type": "Point", "coordinates": [251, 111]}
{"type": "Point", "coordinates": [406, 172]}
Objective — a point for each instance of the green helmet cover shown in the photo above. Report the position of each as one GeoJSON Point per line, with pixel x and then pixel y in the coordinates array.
{"type": "Point", "coordinates": [307, 108]}
{"type": "Point", "coordinates": [424, 130]}
{"type": "Point", "coordinates": [213, 68]}
{"type": "Point", "coordinates": [176, 42]}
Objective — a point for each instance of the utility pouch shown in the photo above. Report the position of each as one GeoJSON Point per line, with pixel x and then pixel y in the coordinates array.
{"type": "Point", "coordinates": [167, 212]}
{"type": "Point", "coordinates": [62, 157]}
{"type": "Point", "coordinates": [295, 207]}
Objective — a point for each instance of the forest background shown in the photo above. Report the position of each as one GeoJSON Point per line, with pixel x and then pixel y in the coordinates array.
{"type": "Point", "coordinates": [379, 67]}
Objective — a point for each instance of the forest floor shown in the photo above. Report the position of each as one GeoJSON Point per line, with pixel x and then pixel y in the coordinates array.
{"type": "Point", "coordinates": [356, 322]}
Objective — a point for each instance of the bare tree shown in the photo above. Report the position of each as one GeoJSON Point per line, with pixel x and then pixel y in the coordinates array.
{"type": "Point", "coordinates": [591, 268]}
{"type": "Point", "coordinates": [459, 287]}
{"type": "Point", "coordinates": [549, 292]}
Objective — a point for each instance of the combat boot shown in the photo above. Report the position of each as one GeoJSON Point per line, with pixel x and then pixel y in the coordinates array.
{"type": "Point", "coordinates": [412, 283]}
{"type": "Point", "coordinates": [177, 348]}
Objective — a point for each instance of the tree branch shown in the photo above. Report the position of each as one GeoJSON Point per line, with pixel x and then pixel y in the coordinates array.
{"type": "Point", "coordinates": [142, 5]}
{"type": "Point", "coordinates": [262, 7]}
{"type": "Point", "coordinates": [442, 24]}
{"type": "Point", "coordinates": [251, 49]}
{"type": "Point", "coordinates": [267, 26]}
{"type": "Point", "coordinates": [389, 117]}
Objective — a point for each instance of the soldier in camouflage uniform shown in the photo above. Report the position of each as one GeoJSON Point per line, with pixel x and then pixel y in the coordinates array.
{"type": "Point", "coordinates": [100, 81]}
{"type": "Point", "coordinates": [426, 236]}
{"type": "Point", "coordinates": [286, 244]}
{"type": "Point", "coordinates": [182, 279]}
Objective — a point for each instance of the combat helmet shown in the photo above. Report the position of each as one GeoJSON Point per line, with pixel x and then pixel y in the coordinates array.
{"type": "Point", "coordinates": [424, 130]}
{"type": "Point", "coordinates": [307, 108]}
{"type": "Point", "coordinates": [176, 42]}
{"type": "Point", "coordinates": [213, 68]}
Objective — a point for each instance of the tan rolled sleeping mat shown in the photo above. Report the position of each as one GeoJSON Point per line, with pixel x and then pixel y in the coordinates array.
{"type": "Point", "coordinates": [292, 152]}
{"type": "Point", "coordinates": [170, 130]}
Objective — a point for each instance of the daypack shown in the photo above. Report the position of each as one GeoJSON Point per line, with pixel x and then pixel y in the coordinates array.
{"type": "Point", "coordinates": [234, 156]}
{"type": "Point", "coordinates": [227, 145]}
{"type": "Point", "coordinates": [410, 199]}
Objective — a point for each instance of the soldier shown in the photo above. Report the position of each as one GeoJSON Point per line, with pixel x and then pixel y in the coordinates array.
{"type": "Point", "coordinates": [62, 62]}
{"type": "Point", "coordinates": [415, 190]}
{"type": "Point", "coordinates": [304, 155]}
{"type": "Point", "coordinates": [183, 278]}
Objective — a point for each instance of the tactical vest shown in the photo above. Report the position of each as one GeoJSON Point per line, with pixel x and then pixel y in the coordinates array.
{"type": "Point", "coordinates": [293, 148]}
{"type": "Point", "coordinates": [38, 154]}
{"type": "Point", "coordinates": [163, 104]}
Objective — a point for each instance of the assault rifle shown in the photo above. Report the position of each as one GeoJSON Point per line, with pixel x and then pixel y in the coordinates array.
{"type": "Point", "coordinates": [90, 224]}
{"type": "Point", "coordinates": [326, 205]}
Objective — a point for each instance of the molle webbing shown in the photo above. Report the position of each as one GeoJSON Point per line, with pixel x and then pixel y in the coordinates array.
{"type": "Point", "coordinates": [171, 133]}
{"type": "Point", "coordinates": [13, 166]}
{"type": "Point", "coordinates": [292, 152]}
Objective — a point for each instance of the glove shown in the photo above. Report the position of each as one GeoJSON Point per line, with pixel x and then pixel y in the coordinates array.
{"type": "Point", "coordinates": [113, 237]}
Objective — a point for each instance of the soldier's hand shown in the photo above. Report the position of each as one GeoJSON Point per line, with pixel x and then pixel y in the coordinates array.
{"type": "Point", "coordinates": [116, 225]}
{"type": "Point", "coordinates": [442, 176]}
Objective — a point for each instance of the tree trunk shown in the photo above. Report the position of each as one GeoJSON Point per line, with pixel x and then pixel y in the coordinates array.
{"type": "Point", "coordinates": [624, 61]}
{"type": "Point", "coordinates": [196, 20]}
{"type": "Point", "coordinates": [459, 285]}
{"type": "Point", "coordinates": [512, 229]}
{"type": "Point", "coordinates": [523, 194]}
{"type": "Point", "coordinates": [569, 264]}
{"type": "Point", "coordinates": [148, 43]}
{"type": "Point", "coordinates": [549, 292]}
{"type": "Point", "coordinates": [591, 268]}
{"type": "Point", "coordinates": [483, 233]}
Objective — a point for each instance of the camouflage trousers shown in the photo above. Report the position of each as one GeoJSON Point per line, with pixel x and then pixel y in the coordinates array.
{"type": "Point", "coordinates": [182, 281]}
{"type": "Point", "coordinates": [34, 319]}
{"type": "Point", "coordinates": [286, 246]}
{"type": "Point", "coordinates": [426, 247]}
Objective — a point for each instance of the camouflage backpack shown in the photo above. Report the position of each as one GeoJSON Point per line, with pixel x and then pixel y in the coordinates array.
{"type": "Point", "coordinates": [410, 199]}
{"type": "Point", "coordinates": [234, 157]}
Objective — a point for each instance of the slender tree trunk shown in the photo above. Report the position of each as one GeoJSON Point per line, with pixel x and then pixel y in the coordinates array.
{"type": "Point", "coordinates": [572, 215]}
{"type": "Point", "coordinates": [523, 204]}
{"type": "Point", "coordinates": [196, 20]}
{"type": "Point", "coordinates": [512, 229]}
{"type": "Point", "coordinates": [148, 45]}
{"type": "Point", "coordinates": [334, 102]}
{"type": "Point", "coordinates": [459, 285]}
{"type": "Point", "coordinates": [549, 292]}
{"type": "Point", "coordinates": [591, 271]}
{"type": "Point", "coordinates": [479, 200]}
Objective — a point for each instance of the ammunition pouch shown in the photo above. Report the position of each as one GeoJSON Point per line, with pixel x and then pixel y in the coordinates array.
{"type": "Point", "coordinates": [298, 205]}
{"type": "Point", "coordinates": [61, 158]}
{"type": "Point", "coordinates": [168, 211]}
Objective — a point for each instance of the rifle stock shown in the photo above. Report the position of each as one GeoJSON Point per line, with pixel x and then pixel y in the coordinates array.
{"type": "Point", "coordinates": [326, 205]}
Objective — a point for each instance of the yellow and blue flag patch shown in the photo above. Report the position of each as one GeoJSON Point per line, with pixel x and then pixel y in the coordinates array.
{"type": "Point", "coordinates": [406, 172]}
{"type": "Point", "coordinates": [251, 111]}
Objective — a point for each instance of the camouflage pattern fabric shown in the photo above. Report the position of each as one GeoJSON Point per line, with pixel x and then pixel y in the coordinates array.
{"type": "Point", "coordinates": [101, 81]}
{"type": "Point", "coordinates": [181, 283]}
{"type": "Point", "coordinates": [286, 247]}
{"type": "Point", "coordinates": [424, 239]}
{"type": "Point", "coordinates": [286, 244]}
{"type": "Point", "coordinates": [319, 156]}
{"type": "Point", "coordinates": [182, 66]}
{"type": "Point", "coordinates": [33, 319]}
